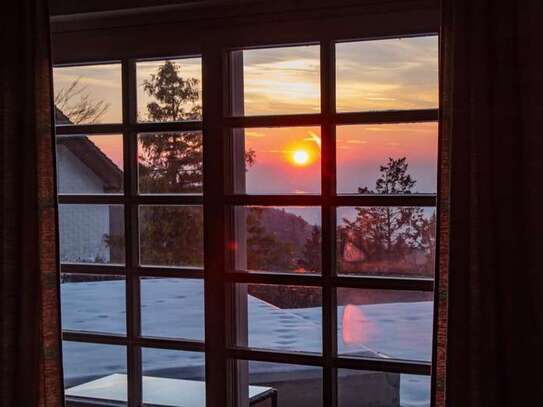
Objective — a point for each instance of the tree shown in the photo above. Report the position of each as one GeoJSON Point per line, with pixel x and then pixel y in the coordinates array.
{"type": "Point", "coordinates": [76, 104]}
{"type": "Point", "coordinates": [175, 98]}
{"type": "Point", "coordinates": [389, 233]}
{"type": "Point", "coordinates": [171, 235]}
{"type": "Point", "coordinates": [264, 250]}
{"type": "Point", "coordinates": [311, 253]}
{"type": "Point", "coordinates": [171, 162]}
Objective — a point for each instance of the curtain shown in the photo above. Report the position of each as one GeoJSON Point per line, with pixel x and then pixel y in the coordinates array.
{"type": "Point", "coordinates": [31, 373]}
{"type": "Point", "coordinates": [492, 190]}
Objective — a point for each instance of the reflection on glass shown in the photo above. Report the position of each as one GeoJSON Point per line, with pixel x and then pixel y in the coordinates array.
{"type": "Point", "coordinates": [277, 80]}
{"type": "Point", "coordinates": [90, 164]}
{"type": "Point", "coordinates": [88, 94]}
{"type": "Point", "coordinates": [391, 74]}
{"type": "Point", "coordinates": [361, 388]}
{"type": "Point", "coordinates": [91, 234]}
{"type": "Point", "coordinates": [280, 384]}
{"type": "Point", "coordinates": [387, 158]}
{"type": "Point", "coordinates": [171, 235]}
{"type": "Point", "coordinates": [280, 317]}
{"type": "Point", "coordinates": [278, 239]}
{"type": "Point", "coordinates": [172, 308]}
{"type": "Point", "coordinates": [93, 303]}
{"type": "Point", "coordinates": [94, 372]}
{"type": "Point", "coordinates": [173, 378]}
{"type": "Point", "coordinates": [169, 90]}
{"type": "Point", "coordinates": [387, 241]}
{"type": "Point", "coordinates": [282, 160]}
{"type": "Point", "coordinates": [385, 323]}
{"type": "Point", "coordinates": [170, 163]}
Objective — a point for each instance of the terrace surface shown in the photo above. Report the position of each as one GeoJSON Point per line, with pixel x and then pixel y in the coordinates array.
{"type": "Point", "coordinates": [174, 308]}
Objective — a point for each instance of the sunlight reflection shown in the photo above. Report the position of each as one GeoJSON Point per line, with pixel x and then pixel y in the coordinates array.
{"type": "Point", "coordinates": [357, 328]}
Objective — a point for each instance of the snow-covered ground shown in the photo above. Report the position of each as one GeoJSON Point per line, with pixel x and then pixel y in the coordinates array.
{"type": "Point", "coordinates": [174, 308]}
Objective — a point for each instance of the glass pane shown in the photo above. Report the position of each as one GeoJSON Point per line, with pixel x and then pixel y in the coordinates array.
{"type": "Point", "coordinates": [360, 388]}
{"type": "Point", "coordinates": [170, 163]}
{"type": "Point", "coordinates": [280, 317]}
{"type": "Point", "coordinates": [169, 90]}
{"type": "Point", "coordinates": [276, 80]}
{"type": "Point", "coordinates": [277, 239]}
{"type": "Point", "coordinates": [387, 241]}
{"type": "Point", "coordinates": [91, 234]}
{"type": "Point", "coordinates": [88, 94]}
{"type": "Point", "coordinates": [391, 74]}
{"type": "Point", "coordinates": [90, 164]}
{"type": "Point", "coordinates": [171, 235]}
{"type": "Point", "coordinates": [285, 384]}
{"type": "Point", "coordinates": [94, 372]}
{"type": "Point", "coordinates": [387, 158]}
{"type": "Point", "coordinates": [281, 160]}
{"type": "Point", "coordinates": [172, 308]}
{"type": "Point", "coordinates": [173, 378]}
{"type": "Point", "coordinates": [385, 323]}
{"type": "Point", "coordinates": [93, 303]}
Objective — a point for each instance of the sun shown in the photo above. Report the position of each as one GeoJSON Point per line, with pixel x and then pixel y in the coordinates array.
{"type": "Point", "coordinates": [300, 157]}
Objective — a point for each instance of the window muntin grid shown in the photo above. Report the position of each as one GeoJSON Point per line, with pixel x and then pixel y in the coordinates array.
{"type": "Point", "coordinates": [328, 200]}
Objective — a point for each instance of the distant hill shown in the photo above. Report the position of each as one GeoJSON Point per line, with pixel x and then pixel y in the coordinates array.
{"type": "Point", "coordinates": [286, 227]}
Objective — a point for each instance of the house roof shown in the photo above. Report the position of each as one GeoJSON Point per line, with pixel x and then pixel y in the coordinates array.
{"type": "Point", "coordinates": [90, 155]}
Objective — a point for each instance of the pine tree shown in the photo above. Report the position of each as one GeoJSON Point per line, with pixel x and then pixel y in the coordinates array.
{"type": "Point", "coordinates": [264, 250]}
{"type": "Point", "coordinates": [388, 233]}
{"type": "Point", "coordinates": [311, 254]}
{"type": "Point", "coordinates": [171, 162]}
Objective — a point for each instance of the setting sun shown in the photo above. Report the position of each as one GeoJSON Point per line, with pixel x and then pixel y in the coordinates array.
{"type": "Point", "coordinates": [300, 157]}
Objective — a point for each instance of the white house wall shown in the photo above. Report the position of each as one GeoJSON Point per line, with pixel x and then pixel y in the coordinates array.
{"type": "Point", "coordinates": [82, 228]}
{"type": "Point", "coordinates": [74, 177]}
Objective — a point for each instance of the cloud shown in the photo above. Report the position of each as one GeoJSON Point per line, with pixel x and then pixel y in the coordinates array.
{"type": "Point", "coordinates": [387, 74]}
{"type": "Point", "coordinates": [256, 134]}
{"type": "Point", "coordinates": [371, 75]}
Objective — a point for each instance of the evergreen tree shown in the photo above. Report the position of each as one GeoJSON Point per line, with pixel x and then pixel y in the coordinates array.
{"type": "Point", "coordinates": [264, 250]}
{"type": "Point", "coordinates": [388, 233]}
{"type": "Point", "coordinates": [311, 254]}
{"type": "Point", "coordinates": [171, 162]}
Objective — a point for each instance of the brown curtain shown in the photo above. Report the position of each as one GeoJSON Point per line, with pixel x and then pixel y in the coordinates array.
{"type": "Point", "coordinates": [31, 373]}
{"type": "Point", "coordinates": [492, 137]}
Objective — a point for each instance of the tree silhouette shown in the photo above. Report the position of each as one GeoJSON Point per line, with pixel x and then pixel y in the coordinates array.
{"type": "Point", "coordinates": [171, 235]}
{"type": "Point", "coordinates": [264, 250]}
{"type": "Point", "coordinates": [172, 162]}
{"type": "Point", "coordinates": [389, 233]}
{"type": "Point", "coordinates": [76, 104]}
{"type": "Point", "coordinates": [311, 253]}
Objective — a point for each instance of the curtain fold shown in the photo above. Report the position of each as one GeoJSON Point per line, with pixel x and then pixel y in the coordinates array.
{"type": "Point", "coordinates": [492, 144]}
{"type": "Point", "coordinates": [31, 369]}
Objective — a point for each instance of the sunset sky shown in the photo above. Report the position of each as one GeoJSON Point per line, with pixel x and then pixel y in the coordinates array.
{"type": "Point", "coordinates": [370, 75]}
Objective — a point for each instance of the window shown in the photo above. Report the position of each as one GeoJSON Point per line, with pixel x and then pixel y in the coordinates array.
{"type": "Point", "coordinates": [255, 224]}
{"type": "Point", "coordinates": [131, 231]}
{"type": "Point", "coordinates": [331, 215]}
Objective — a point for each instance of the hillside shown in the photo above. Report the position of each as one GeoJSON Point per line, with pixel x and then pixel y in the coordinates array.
{"type": "Point", "coordinates": [286, 227]}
